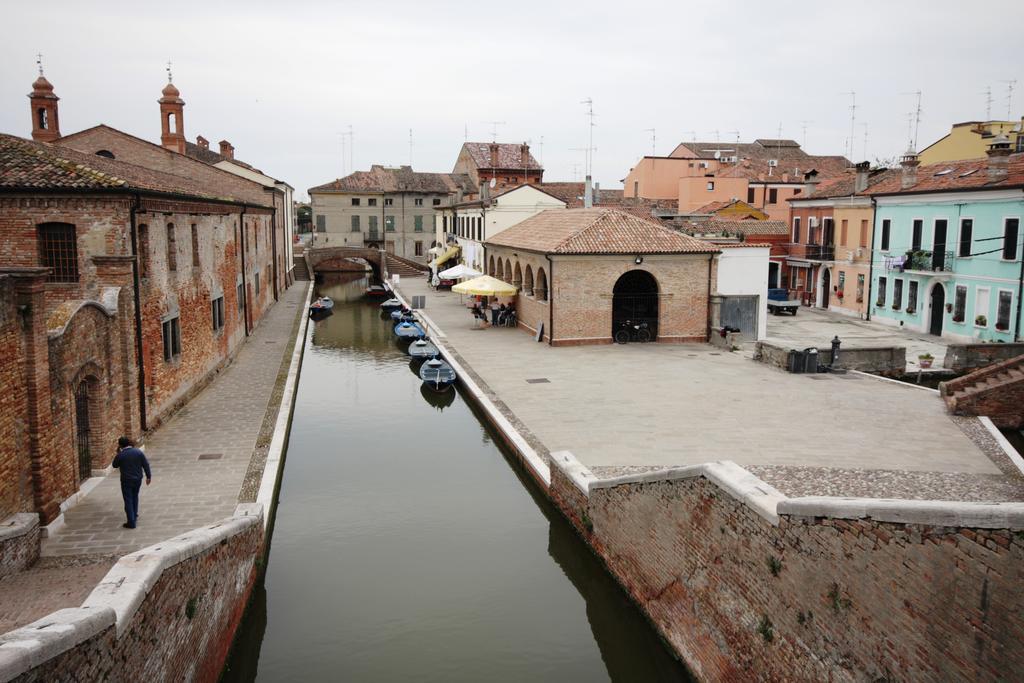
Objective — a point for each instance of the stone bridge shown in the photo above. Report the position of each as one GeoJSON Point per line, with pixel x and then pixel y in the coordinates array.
{"type": "Point", "coordinates": [347, 259]}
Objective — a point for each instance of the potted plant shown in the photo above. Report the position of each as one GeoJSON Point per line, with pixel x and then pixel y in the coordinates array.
{"type": "Point", "coordinates": [925, 360]}
{"type": "Point", "coordinates": [980, 321]}
{"type": "Point", "coordinates": [949, 308]}
{"type": "Point", "coordinates": [911, 310]}
{"type": "Point", "coordinates": [1002, 327]}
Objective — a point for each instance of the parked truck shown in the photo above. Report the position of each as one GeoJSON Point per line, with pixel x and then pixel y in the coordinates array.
{"type": "Point", "coordinates": [779, 302]}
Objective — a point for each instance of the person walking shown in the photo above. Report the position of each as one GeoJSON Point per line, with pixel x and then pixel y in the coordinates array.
{"type": "Point", "coordinates": [133, 464]}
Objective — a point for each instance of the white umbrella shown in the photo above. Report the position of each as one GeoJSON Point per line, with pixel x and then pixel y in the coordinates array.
{"type": "Point", "coordinates": [458, 272]}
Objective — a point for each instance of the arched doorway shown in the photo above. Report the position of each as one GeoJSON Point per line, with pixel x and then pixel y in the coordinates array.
{"type": "Point", "coordinates": [826, 286]}
{"type": "Point", "coordinates": [83, 429]}
{"type": "Point", "coordinates": [938, 303]}
{"type": "Point", "coordinates": [490, 269]}
{"type": "Point", "coordinates": [635, 302]}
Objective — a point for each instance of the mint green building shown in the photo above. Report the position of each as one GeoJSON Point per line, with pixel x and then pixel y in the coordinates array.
{"type": "Point", "coordinates": [946, 251]}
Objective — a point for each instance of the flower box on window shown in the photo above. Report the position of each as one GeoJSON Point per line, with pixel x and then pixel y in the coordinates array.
{"type": "Point", "coordinates": [911, 309]}
{"type": "Point", "coordinates": [895, 307]}
{"type": "Point", "coordinates": [980, 321]}
{"type": "Point", "coordinates": [958, 318]}
{"type": "Point", "coordinates": [1002, 327]}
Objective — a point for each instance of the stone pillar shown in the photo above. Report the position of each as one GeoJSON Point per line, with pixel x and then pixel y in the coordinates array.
{"type": "Point", "coordinates": [116, 272]}
{"type": "Point", "coordinates": [716, 310]}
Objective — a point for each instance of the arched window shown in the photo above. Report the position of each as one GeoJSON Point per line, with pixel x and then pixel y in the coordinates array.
{"type": "Point", "coordinates": [541, 290]}
{"type": "Point", "coordinates": [172, 249]}
{"type": "Point", "coordinates": [41, 116]}
{"type": "Point", "coordinates": [517, 279]}
{"type": "Point", "coordinates": [499, 274]}
{"type": "Point", "coordinates": [172, 122]}
{"type": "Point", "coordinates": [105, 153]}
{"type": "Point", "coordinates": [490, 269]}
{"type": "Point", "coordinates": [528, 281]}
{"type": "Point", "coordinates": [58, 251]}
{"type": "Point", "coordinates": [508, 270]}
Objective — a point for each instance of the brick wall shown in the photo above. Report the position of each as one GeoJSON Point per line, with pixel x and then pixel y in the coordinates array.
{"type": "Point", "coordinates": [995, 391]}
{"type": "Point", "coordinates": [15, 463]}
{"type": "Point", "coordinates": [808, 598]}
{"type": "Point", "coordinates": [179, 629]}
{"type": "Point", "coordinates": [967, 356]}
{"type": "Point", "coordinates": [19, 543]}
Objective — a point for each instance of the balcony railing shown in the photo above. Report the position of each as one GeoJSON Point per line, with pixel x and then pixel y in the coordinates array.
{"type": "Point", "coordinates": [811, 252]}
{"type": "Point", "coordinates": [372, 236]}
{"type": "Point", "coordinates": [929, 261]}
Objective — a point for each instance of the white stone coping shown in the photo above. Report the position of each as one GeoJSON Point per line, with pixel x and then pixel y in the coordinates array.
{"type": "Point", "coordinates": [525, 450]}
{"type": "Point", "coordinates": [116, 598]}
{"type": "Point", "coordinates": [75, 498]}
{"type": "Point", "coordinates": [275, 453]}
{"type": "Point", "coordinates": [908, 385]}
{"type": "Point", "coordinates": [927, 512]}
{"type": "Point", "coordinates": [1007, 447]}
{"type": "Point", "coordinates": [770, 503]}
{"type": "Point", "coordinates": [17, 525]}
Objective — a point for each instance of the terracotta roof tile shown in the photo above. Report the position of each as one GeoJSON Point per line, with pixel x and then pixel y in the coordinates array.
{"type": "Point", "coordinates": [597, 231]}
{"type": "Point", "coordinates": [844, 185]}
{"type": "Point", "coordinates": [572, 193]}
{"type": "Point", "coordinates": [509, 155]}
{"type": "Point", "coordinates": [402, 179]}
{"type": "Point", "coordinates": [745, 227]}
{"type": "Point", "coordinates": [962, 175]}
{"type": "Point", "coordinates": [28, 165]}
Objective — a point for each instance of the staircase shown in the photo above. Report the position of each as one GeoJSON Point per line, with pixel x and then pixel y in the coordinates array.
{"type": "Point", "coordinates": [300, 271]}
{"type": "Point", "coordinates": [995, 391]}
{"type": "Point", "coordinates": [405, 267]}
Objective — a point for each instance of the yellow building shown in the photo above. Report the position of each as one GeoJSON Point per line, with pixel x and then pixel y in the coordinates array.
{"type": "Point", "coordinates": [970, 140]}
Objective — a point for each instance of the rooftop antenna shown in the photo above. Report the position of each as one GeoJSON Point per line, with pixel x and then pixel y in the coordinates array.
{"type": "Point", "coordinates": [736, 133]}
{"type": "Point", "coordinates": [410, 148]}
{"type": "Point", "coordinates": [692, 134]}
{"type": "Point", "coordinates": [344, 155]}
{"type": "Point", "coordinates": [351, 149]}
{"type": "Point", "coordinates": [654, 140]}
{"type": "Point", "coordinates": [988, 102]}
{"type": "Point", "coordinates": [590, 143]}
{"type": "Point", "coordinates": [717, 135]}
{"type": "Point", "coordinates": [864, 151]}
{"type": "Point", "coordinates": [917, 118]}
{"type": "Point", "coordinates": [910, 130]}
{"type": "Point", "coordinates": [39, 62]}
{"type": "Point", "coordinates": [494, 129]}
{"type": "Point", "coordinates": [170, 76]}
{"type": "Point", "coordinates": [803, 127]}
{"type": "Point", "coordinates": [1009, 97]}
{"type": "Point", "coordinates": [853, 120]}
{"type": "Point", "coordinates": [575, 172]}
{"type": "Point", "coordinates": [541, 150]}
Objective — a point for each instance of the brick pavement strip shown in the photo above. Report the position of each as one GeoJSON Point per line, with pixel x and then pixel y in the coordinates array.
{"type": "Point", "coordinates": [187, 492]}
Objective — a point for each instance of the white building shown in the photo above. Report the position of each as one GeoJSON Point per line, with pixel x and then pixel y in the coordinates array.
{"type": "Point", "coordinates": [743, 275]}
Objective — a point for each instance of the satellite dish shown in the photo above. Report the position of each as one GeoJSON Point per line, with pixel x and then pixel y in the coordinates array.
{"type": "Point", "coordinates": [718, 154]}
{"type": "Point", "coordinates": [494, 181]}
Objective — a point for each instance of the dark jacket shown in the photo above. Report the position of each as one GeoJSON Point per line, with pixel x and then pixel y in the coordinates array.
{"type": "Point", "coordinates": [132, 463]}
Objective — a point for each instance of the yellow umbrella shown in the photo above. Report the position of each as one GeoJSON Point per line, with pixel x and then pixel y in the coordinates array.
{"type": "Point", "coordinates": [485, 285]}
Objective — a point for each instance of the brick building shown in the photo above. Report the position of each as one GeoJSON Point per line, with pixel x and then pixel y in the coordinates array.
{"type": "Point", "coordinates": [122, 290]}
{"type": "Point", "coordinates": [508, 165]}
{"type": "Point", "coordinates": [385, 208]}
{"type": "Point", "coordinates": [583, 273]}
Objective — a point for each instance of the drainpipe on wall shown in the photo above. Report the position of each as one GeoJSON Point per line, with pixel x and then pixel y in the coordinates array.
{"type": "Point", "coordinates": [1020, 288]}
{"type": "Point", "coordinates": [711, 260]}
{"type": "Point", "coordinates": [551, 300]}
{"type": "Point", "coordinates": [245, 291]}
{"type": "Point", "coordinates": [137, 298]}
{"type": "Point", "coordinates": [273, 241]}
{"type": "Point", "coordinates": [871, 258]}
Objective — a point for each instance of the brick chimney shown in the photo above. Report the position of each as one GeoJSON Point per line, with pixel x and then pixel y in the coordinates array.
{"type": "Point", "coordinates": [226, 149]}
{"type": "Point", "coordinates": [861, 182]}
{"type": "Point", "coordinates": [810, 182]}
{"type": "Point", "coordinates": [998, 159]}
{"type": "Point", "coordinates": [909, 162]}
{"type": "Point", "coordinates": [45, 126]}
{"type": "Point", "coordinates": [494, 154]}
{"type": "Point", "coordinates": [202, 142]}
{"type": "Point", "coordinates": [524, 155]}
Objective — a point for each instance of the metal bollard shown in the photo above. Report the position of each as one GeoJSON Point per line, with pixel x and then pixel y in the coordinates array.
{"type": "Point", "coordinates": [834, 359]}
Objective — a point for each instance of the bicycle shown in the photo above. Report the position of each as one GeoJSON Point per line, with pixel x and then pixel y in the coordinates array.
{"type": "Point", "coordinates": [633, 331]}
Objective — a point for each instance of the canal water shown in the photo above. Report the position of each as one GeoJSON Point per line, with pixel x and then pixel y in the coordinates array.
{"type": "Point", "coordinates": [408, 546]}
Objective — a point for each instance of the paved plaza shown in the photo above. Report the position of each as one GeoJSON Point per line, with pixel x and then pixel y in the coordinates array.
{"type": "Point", "coordinates": [645, 405]}
{"type": "Point", "coordinates": [817, 327]}
{"type": "Point", "coordinates": [224, 421]}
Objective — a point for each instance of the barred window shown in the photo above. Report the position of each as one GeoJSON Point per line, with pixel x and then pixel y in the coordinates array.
{"type": "Point", "coordinates": [217, 310]}
{"type": "Point", "coordinates": [240, 295]}
{"type": "Point", "coordinates": [881, 292]}
{"type": "Point", "coordinates": [58, 251]}
{"type": "Point", "coordinates": [195, 245]}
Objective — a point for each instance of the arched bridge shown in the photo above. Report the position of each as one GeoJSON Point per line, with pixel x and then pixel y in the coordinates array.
{"type": "Point", "coordinates": [335, 259]}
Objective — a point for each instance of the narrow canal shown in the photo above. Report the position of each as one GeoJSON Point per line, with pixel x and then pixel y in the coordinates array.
{"type": "Point", "coordinates": [409, 546]}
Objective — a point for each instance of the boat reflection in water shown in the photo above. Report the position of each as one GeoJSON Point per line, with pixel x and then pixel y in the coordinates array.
{"type": "Point", "coordinates": [439, 400]}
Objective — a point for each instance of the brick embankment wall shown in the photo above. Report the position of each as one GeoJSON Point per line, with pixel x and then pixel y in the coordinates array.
{"type": "Point", "coordinates": [811, 597]}
{"type": "Point", "coordinates": [966, 356]}
{"type": "Point", "coordinates": [995, 391]}
{"type": "Point", "coordinates": [167, 612]}
{"type": "Point", "coordinates": [19, 543]}
{"type": "Point", "coordinates": [887, 360]}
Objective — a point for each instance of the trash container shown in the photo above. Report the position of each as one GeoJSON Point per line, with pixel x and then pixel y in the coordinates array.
{"type": "Point", "coordinates": [810, 355]}
{"type": "Point", "coordinates": [797, 361]}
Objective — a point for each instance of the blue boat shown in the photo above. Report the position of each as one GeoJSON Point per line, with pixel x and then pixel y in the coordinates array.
{"type": "Point", "coordinates": [400, 314]}
{"type": "Point", "coordinates": [409, 330]}
{"type": "Point", "coordinates": [437, 375]}
{"type": "Point", "coordinates": [422, 349]}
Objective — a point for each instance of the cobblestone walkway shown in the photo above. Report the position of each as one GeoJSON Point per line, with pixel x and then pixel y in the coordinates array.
{"type": "Point", "coordinates": [223, 421]}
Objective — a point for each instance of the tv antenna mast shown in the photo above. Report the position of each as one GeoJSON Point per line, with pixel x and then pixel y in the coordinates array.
{"type": "Point", "coordinates": [864, 151]}
{"type": "Point", "coordinates": [351, 144]}
{"type": "Point", "coordinates": [590, 142]}
{"type": "Point", "coordinates": [1009, 97]}
{"type": "Point", "coordinates": [717, 134]}
{"type": "Point", "coordinates": [654, 140]}
{"type": "Point", "coordinates": [410, 147]}
{"type": "Point", "coordinates": [692, 134]}
{"type": "Point", "coordinates": [736, 133]}
{"type": "Point", "coordinates": [853, 120]}
{"type": "Point", "coordinates": [917, 118]}
{"type": "Point", "coordinates": [988, 102]}
{"type": "Point", "coordinates": [803, 128]}
{"type": "Point", "coordinates": [494, 129]}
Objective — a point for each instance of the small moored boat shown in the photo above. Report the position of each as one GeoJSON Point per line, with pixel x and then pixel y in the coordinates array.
{"type": "Point", "coordinates": [421, 348]}
{"type": "Point", "coordinates": [437, 375]}
{"type": "Point", "coordinates": [409, 330]}
{"type": "Point", "coordinates": [401, 314]}
{"type": "Point", "coordinates": [324, 303]}
{"type": "Point", "coordinates": [377, 291]}
{"type": "Point", "coordinates": [390, 304]}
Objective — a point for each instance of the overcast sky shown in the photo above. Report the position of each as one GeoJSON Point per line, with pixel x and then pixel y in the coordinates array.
{"type": "Point", "coordinates": [282, 81]}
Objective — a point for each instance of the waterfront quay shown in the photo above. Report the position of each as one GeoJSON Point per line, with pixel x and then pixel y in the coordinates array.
{"type": "Point", "coordinates": [636, 407]}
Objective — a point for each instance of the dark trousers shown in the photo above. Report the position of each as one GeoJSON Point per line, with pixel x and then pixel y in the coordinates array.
{"type": "Point", "coordinates": [130, 493]}
{"type": "Point", "coordinates": [494, 316]}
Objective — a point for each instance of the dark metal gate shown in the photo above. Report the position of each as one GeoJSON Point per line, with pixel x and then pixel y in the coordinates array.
{"type": "Point", "coordinates": [740, 312]}
{"type": "Point", "coordinates": [83, 430]}
{"type": "Point", "coordinates": [635, 301]}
